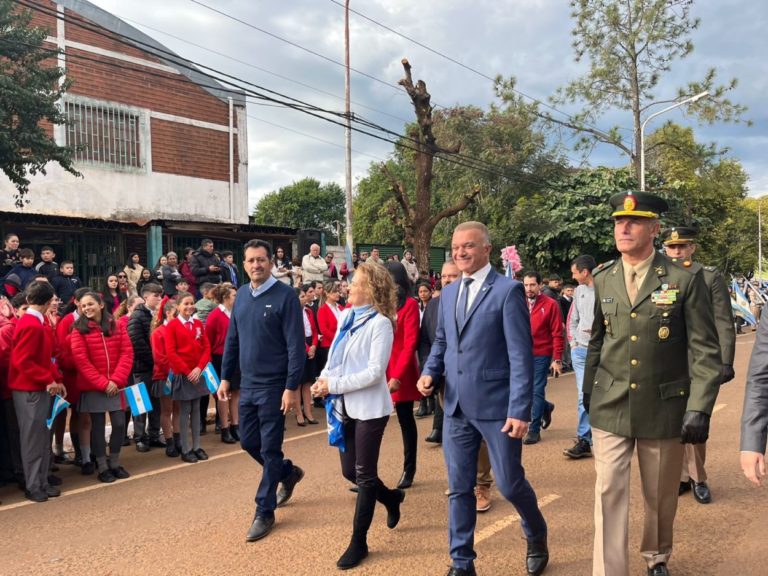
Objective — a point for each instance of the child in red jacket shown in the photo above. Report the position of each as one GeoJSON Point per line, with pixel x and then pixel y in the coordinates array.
{"type": "Point", "coordinates": [33, 379]}
{"type": "Point", "coordinates": [103, 355]}
{"type": "Point", "coordinates": [188, 352]}
{"type": "Point", "coordinates": [10, 312]}
{"type": "Point", "coordinates": [169, 410]}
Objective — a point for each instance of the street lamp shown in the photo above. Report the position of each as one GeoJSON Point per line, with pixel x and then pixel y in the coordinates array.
{"type": "Point", "coordinates": [651, 117]}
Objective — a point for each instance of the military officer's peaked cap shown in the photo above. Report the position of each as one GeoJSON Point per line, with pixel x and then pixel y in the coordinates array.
{"type": "Point", "coordinates": [638, 204]}
{"type": "Point", "coordinates": [678, 235]}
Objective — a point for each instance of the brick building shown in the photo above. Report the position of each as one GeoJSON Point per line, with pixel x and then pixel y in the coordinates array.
{"type": "Point", "coordinates": [162, 148]}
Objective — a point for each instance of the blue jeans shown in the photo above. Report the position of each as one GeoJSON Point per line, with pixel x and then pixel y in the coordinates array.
{"type": "Point", "coordinates": [579, 360]}
{"type": "Point", "coordinates": [541, 366]}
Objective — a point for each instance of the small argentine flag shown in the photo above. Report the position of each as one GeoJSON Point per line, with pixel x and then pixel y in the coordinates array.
{"type": "Point", "coordinates": [211, 378]}
{"type": "Point", "coordinates": [59, 405]}
{"type": "Point", "coordinates": [138, 399]}
{"type": "Point", "coordinates": [168, 386]}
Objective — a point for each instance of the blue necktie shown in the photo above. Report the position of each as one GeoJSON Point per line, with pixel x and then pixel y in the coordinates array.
{"type": "Point", "coordinates": [461, 312]}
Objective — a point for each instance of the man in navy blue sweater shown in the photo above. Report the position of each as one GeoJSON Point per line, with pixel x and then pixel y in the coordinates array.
{"type": "Point", "coordinates": [266, 341]}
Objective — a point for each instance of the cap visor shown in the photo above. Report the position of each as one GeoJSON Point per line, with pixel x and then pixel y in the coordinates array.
{"type": "Point", "coordinates": [635, 213]}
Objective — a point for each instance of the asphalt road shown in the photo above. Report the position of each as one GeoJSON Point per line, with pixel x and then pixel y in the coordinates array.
{"type": "Point", "coordinates": [177, 518]}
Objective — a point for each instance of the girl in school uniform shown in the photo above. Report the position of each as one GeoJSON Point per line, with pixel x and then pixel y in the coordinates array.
{"type": "Point", "coordinates": [169, 410]}
{"type": "Point", "coordinates": [103, 354]}
{"type": "Point", "coordinates": [188, 353]}
{"type": "Point", "coordinates": [306, 295]}
{"type": "Point", "coordinates": [328, 319]}
{"type": "Point", "coordinates": [216, 327]}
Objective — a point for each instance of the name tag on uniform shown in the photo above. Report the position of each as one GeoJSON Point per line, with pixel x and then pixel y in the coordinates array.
{"type": "Point", "coordinates": [664, 297]}
{"type": "Point", "coordinates": [607, 300]}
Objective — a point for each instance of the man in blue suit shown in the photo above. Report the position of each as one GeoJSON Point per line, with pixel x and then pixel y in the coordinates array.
{"type": "Point", "coordinates": [483, 346]}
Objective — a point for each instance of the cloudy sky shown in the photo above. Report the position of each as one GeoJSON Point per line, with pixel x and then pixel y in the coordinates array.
{"type": "Point", "coordinates": [528, 39]}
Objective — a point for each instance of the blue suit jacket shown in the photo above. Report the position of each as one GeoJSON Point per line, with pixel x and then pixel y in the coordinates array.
{"type": "Point", "coordinates": [488, 364]}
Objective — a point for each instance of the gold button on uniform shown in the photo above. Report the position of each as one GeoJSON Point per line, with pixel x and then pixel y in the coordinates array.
{"type": "Point", "coordinates": [633, 362]}
{"type": "Point", "coordinates": [665, 315]}
{"type": "Point", "coordinates": [633, 386]}
{"type": "Point", "coordinates": [633, 338]}
{"type": "Point", "coordinates": [633, 315]}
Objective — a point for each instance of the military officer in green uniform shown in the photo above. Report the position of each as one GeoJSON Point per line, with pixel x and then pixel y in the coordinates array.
{"type": "Point", "coordinates": [651, 317]}
{"type": "Point", "coordinates": [680, 244]}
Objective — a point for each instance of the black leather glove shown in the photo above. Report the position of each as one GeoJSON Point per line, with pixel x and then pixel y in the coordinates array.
{"type": "Point", "coordinates": [728, 373]}
{"type": "Point", "coordinates": [585, 401]}
{"type": "Point", "coordinates": [695, 428]}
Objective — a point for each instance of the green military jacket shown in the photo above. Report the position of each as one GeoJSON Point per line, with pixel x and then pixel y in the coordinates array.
{"type": "Point", "coordinates": [721, 306]}
{"type": "Point", "coordinates": [637, 370]}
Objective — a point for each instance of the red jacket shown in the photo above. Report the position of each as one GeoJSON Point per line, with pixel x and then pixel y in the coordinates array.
{"type": "Point", "coordinates": [403, 364]}
{"type": "Point", "coordinates": [186, 349]}
{"type": "Point", "coordinates": [161, 365]}
{"type": "Point", "coordinates": [186, 271]}
{"type": "Point", "coordinates": [64, 358]}
{"type": "Point", "coordinates": [7, 328]}
{"type": "Point", "coordinates": [101, 358]}
{"type": "Point", "coordinates": [327, 324]}
{"type": "Point", "coordinates": [309, 314]}
{"type": "Point", "coordinates": [32, 366]}
{"type": "Point", "coordinates": [546, 327]}
{"type": "Point", "coordinates": [216, 326]}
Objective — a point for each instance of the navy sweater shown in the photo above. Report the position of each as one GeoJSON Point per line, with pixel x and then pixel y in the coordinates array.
{"type": "Point", "coordinates": [266, 338]}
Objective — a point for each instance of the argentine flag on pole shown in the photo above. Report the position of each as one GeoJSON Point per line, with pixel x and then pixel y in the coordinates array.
{"type": "Point", "coordinates": [334, 412]}
{"type": "Point", "coordinates": [168, 385]}
{"type": "Point", "coordinates": [211, 378]}
{"type": "Point", "coordinates": [138, 399]}
{"type": "Point", "coordinates": [59, 405]}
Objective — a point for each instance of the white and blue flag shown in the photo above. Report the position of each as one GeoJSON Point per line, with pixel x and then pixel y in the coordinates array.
{"type": "Point", "coordinates": [211, 378]}
{"type": "Point", "coordinates": [168, 385]}
{"type": "Point", "coordinates": [334, 412]}
{"type": "Point", "coordinates": [138, 399]}
{"type": "Point", "coordinates": [59, 405]}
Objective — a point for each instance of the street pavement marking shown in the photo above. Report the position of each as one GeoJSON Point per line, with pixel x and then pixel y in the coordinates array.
{"type": "Point", "coordinates": [507, 521]}
{"type": "Point", "coordinates": [718, 407]}
{"type": "Point", "coordinates": [5, 508]}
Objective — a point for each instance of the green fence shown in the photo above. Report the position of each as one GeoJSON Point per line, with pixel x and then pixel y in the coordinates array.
{"type": "Point", "coordinates": [436, 254]}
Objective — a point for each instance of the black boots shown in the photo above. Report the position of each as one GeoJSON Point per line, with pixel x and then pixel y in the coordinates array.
{"type": "Point", "coordinates": [391, 500]}
{"type": "Point", "coordinates": [358, 545]}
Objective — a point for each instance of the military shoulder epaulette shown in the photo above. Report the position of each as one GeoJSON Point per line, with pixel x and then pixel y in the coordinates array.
{"type": "Point", "coordinates": [686, 264]}
{"type": "Point", "coordinates": [603, 267]}
{"type": "Point", "coordinates": [710, 268]}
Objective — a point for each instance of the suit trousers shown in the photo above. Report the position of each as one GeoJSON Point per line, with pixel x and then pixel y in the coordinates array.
{"type": "Point", "coordinates": [693, 463]}
{"type": "Point", "coordinates": [32, 409]}
{"type": "Point", "coordinates": [262, 426]}
{"type": "Point", "coordinates": [660, 461]}
{"type": "Point", "coordinates": [461, 444]}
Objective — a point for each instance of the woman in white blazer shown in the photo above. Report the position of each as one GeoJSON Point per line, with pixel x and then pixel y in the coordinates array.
{"type": "Point", "coordinates": [356, 369]}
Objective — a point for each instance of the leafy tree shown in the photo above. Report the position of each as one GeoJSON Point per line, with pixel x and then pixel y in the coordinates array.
{"type": "Point", "coordinates": [29, 90]}
{"type": "Point", "coordinates": [303, 204]}
{"type": "Point", "coordinates": [629, 47]}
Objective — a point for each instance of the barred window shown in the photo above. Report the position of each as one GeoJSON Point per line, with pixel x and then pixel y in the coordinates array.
{"type": "Point", "coordinates": [101, 133]}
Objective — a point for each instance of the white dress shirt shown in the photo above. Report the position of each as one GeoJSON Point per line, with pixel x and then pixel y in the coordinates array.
{"type": "Point", "coordinates": [474, 288]}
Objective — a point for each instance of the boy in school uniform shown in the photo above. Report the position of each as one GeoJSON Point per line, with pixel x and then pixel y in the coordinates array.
{"type": "Point", "coordinates": [66, 283]}
{"type": "Point", "coordinates": [48, 266]}
{"type": "Point", "coordinates": [33, 379]}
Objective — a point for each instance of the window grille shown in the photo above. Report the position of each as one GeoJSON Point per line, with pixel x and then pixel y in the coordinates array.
{"type": "Point", "coordinates": [104, 134]}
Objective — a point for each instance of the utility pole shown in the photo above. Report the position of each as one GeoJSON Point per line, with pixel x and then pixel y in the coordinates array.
{"type": "Point", "coordinates": [759, 241]}
{"type": "Point", "coordinates": [348, 142]}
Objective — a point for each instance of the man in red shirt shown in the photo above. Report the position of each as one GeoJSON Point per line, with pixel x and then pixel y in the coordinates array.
{"type": "Point", "coordinates": [547, 334]}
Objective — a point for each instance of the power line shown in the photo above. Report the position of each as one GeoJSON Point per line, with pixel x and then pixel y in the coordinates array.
{"type": "Point", "coordinates": [459, 159]}
{"type": "Point", "coordinates": [465, 66]}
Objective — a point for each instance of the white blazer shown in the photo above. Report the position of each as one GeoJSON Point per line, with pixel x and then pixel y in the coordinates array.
{"type": "Point", "coordinates": [362, 376]}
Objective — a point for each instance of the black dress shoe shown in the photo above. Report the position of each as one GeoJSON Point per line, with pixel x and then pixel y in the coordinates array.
{"type": "Point", "coordinates": [201, 454]}
{"type": "Point", "coordinates": [461, 571]}
{"type": "Point", "coordinates": [88, 469]}
{"type": "Point", "coordinates": [226, 436]}
{"type": "Point", "coordinates": [701, 492]}
{"type": "Point", "coordinates": [36, 496]}
{"type": "Point", "coordinates": [537, 558]}
{"type": "Point", "coordinates": [142, 446]}
{"type": "Point", "coordinates": [436, 437]}
{"type": "Point", "coordinates": [531, 437]}
{"type": "Point", "coordinates": [285, 491]}
{"type": "Point", "coordinates": [234, 429]}
{"type": "Point", "coordinates": [684, 487]}
{"type": "Point", "coordinates": [658, 570]}
{"type": "Point", "coordinates": [156, 443]}
{"type": "Point", "coordinates": [52, 492]}
{"type": "Point", "coordinates": [171, 451]}
{"type": "Point", "coordinates": [189, 457]}
{"type": "Point", "coordinates": [260, 528]}
{"type": "Point", "coordinates": [54, 480]}
{"type": "Point", "coordinates": [406, 481]}
{"type": "Point", "coordinates": [546, 418]}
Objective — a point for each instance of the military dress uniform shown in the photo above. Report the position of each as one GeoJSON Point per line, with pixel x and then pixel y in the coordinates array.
{"type": "Point", "coordinates": [694, 474]}
{"type": "Point", "coordinates": [639, 385]}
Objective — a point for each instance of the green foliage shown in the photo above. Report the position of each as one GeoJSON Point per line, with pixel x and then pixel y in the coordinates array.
{"type": "Point", "coordinates": [629, 47]}
{"type": "Point", "coordinates": [29, 90]}
{"type": "Point", "coordinates": [303, 204]}
{"type": "Point", "coordinates": [706, 189]}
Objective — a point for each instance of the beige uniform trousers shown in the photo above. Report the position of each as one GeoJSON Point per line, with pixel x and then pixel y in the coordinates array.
{"type": "Point", "coordinates": [660, 462]}
{"type": "Point", "coordinates": [693, 463]}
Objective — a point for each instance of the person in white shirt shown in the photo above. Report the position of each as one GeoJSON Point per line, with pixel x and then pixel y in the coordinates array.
{"type": "Point", "coordinates": [410, 266]}
{"type": "Point", "coordinates": [356, 369]}
{"type": "Point", "coordinates": [313, 265]}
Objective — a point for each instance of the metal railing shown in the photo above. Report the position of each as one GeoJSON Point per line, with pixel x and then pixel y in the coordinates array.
{"type": "Point", "coordinates": [104, 134]}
